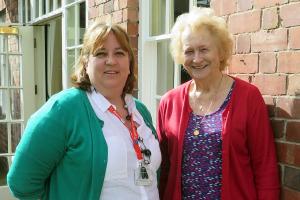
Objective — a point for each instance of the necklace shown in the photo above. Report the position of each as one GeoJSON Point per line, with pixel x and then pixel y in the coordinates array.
{"type": "Point", "coordinates": [196, 131]}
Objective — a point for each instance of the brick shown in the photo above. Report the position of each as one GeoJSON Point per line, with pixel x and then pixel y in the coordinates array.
{"type": "Point", "coordinates": [287, 153]}
{"type": "Point", "coordinates": [292, 178]}
{"type": "Point", "coordinates": [267, 62]}
{"type": "Point", "coordinates": [293, 131]}
{"type": "Point", "coordinates": [108, 7]}
{"type": "Point", "coordinates": [243, 43]}
{"type": "Point", "coordinates": [268, 3]}
{"type": "Point", "coordinates": [245, 77]}
{"type": "Point", "coordinates": [288, 107]}
{"type": "Point", "coordinates": [234, 44]}
{"type": "Point", "coordinates": [131, 15]}
{"type": "Point", "coordinates": [289, 62]}
{"type": "Point", "coordinates": [117, 16]}
{"type": "Point", "coordinates": [101, 9]}
{"type": "Point", "coordinates": [223, 7]}
{"type": "Point", "coordinates": [270, 103]}
{"type": "Point", "coordinates": [244, 22]}
{"type": "Point", "coordinates": [278, 128]}
{"type": "Point", "coordinates": [271, 84]}
{"type": "Point", "coordinates": [270, 18]}
{"type": "Point", "coordinates": [134, 42]}
{"type": "Point", "coordinates": [294, 85]}
{"type": "Point", "coordinates": [132, 29]}
{"type": "Point", "coordinates": [290, 14]}
{"type": "Point", "coordinates": [128, 4]}
{"type": "Point", "coordinates": [91, 3]}
{"type": "Point", "coordinates": [93, 12]}
{"type": "Point", "coordinates": [289, 194]}
{"type": "Point", "coordinates": [294, 39]}
{"type": "Point", "coordinates": [116, 5]}
{"type": "Point", "coordinates": [105, 18]}
{"type": "Point", "coordinates": [274, 40]}
{"type": "Point", "coordinates": [244, 63]}
{"type": "Point", "coordinates": [244, 5]}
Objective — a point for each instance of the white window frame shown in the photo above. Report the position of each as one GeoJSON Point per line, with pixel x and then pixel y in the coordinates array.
{"type": "Point", "coordinates": [147, 57]}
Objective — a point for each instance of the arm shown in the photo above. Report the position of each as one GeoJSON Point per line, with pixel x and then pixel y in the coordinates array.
{"type": "Point", "coordinates": [262, 149]}
{"type": "Point", "coordinates": [39, 151]}
{"type": "Point", "coordinates": [164, 151]}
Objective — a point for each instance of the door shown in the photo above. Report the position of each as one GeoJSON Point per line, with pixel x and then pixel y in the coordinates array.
{"type": "Point", "coordinates": [16, 91]}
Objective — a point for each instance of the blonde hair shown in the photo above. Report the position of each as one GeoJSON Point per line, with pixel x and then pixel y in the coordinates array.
{"type": "Point", "coordinates": [197, 19]}
{"type": "Point", "coordinates": [94, 38]}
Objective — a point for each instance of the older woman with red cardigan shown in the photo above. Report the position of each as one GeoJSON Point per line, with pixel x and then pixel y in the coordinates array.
{"type": "Point", "coordinates": [214, 130]}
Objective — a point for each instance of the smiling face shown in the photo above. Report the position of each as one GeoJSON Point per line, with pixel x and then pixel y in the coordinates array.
{"type": "Point", "coordinates": [108, 66]}
{"type": "Point", "coordinates": [201, 56]}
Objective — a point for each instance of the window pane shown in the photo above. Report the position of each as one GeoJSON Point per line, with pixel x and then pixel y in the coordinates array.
{"type": "Point", "coordinates": [71, 61]}
{"type": "Point", "coordinates": [203, 3]}
{"type": "Point", "coordinates": [82, 22]}
{"type": "Point", "coordinates": [28, 10]}
{"type": "Point", "coordinates": [3, 170]}
{"type": "Point", "coordinates": [3, 47]}
{"type": "Point", "coordinates": [13, 44]}
{"type": "Point", "coordinates": [3, 138]}
{"type": "Point", "coordinates": [69, 1]}
{"type": "Point", "coordinates": [59, 3]}
{"type": "Point", "coordinates": [3, 71]}
{"type": "Point", "coordinates": [16, 130]}
{"type": "Point", "coordinates": [180, 7]}
{"type": "Point", "coordinates": [71, 26]}
{"type": "Point", "coordinates": [3, 104]}
{"type": "Point", "coordinates": [157, 18]}
{"type": "Point", "coordinates": [16, 104]}
{"type": "Point", "coordinates": [14, 67]}
{"type": "Point", "coordinates": [165, 68]}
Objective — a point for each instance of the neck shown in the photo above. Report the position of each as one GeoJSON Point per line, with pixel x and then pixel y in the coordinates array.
{"type": "Point", "coordinates": [114, 96]}
{"type": "Point", "coordinates": [207, 85]}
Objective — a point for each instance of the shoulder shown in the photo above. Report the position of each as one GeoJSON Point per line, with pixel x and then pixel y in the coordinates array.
{"type": "Point", "coordinates": [141, 107]}
{"type": "Point", "coordinates": [64, 102]}
{"type": "Point", "coordinates": [243, 87]}
{"type": "Point", "coordinates": [246, 93]}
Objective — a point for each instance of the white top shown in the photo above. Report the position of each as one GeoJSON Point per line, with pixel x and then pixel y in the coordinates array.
{"type": "Point", "coordinates": [122, 160]}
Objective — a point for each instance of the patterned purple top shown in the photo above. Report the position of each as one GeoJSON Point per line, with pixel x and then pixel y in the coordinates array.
{"type": "Point", "coordinates": [202, 158]}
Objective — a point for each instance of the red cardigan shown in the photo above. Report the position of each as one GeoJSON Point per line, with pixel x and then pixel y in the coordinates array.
{"type": "Point", "coordinates": [249, 166]}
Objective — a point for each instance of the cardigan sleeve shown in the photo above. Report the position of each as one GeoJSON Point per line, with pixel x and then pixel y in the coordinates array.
{"type": "Point", "coordinates": [164, 169]}
{"type": "Point", "coordinates": [262, 149]}
{"type": "Point", "coordinates": [39, 151]}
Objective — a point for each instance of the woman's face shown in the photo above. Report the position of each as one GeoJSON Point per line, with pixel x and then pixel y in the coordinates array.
{"type": "Point", "coordinates": [201, 56]}
{"type": "Point", "coordinates": [108, 68]}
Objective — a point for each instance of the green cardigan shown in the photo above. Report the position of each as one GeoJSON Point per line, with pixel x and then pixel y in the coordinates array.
{"type": "Point", "coordinates": [63, 153]}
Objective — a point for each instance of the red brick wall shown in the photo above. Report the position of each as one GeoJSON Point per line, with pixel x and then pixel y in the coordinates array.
{"type": "Point", "coordinates": [267, 54]}
{"type": "Point", "coordinates": [123, 12]}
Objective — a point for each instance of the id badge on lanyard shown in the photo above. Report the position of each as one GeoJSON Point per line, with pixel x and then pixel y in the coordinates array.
{"type": "Point", "coordinates": [143, 175]}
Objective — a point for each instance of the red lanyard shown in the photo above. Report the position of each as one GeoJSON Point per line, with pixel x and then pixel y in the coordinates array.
{"type": "Point", "coordinates": [133, 134]}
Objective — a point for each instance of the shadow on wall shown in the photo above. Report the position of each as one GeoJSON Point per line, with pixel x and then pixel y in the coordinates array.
{"type": "Point", "coordinates": [285, 131]}
{"type": "Point", "coordinates": [12, 10]}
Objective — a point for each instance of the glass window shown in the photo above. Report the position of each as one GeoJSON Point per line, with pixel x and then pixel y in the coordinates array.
{"type": "Point", "coordinates": [3, 169]}
{"type": "Point", "coordinates": [203, 3]}
{"type": "Point", "coordinates": [4, 106]}
{"type": "Point", "coordinates": [3, 138]}
{"type": "Point", "coordinates": [157, 18]}
{"type": "Point", "coordinates": [82, 21]}
{"type": "Point", "coordinates": [14, 70]}
{"type": "Point", "coordinates": [16, 104]}
{"type": "Point", "coordinates": [71, 26]}
{"type": "Point", "coordinates": [16, 130]}
{"type": "Point", "coordinates": [71, 61]}
{"type": "Point", "coordinates": [3, 71]}
{"type": "Point", "coordinates": [165, 68]}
